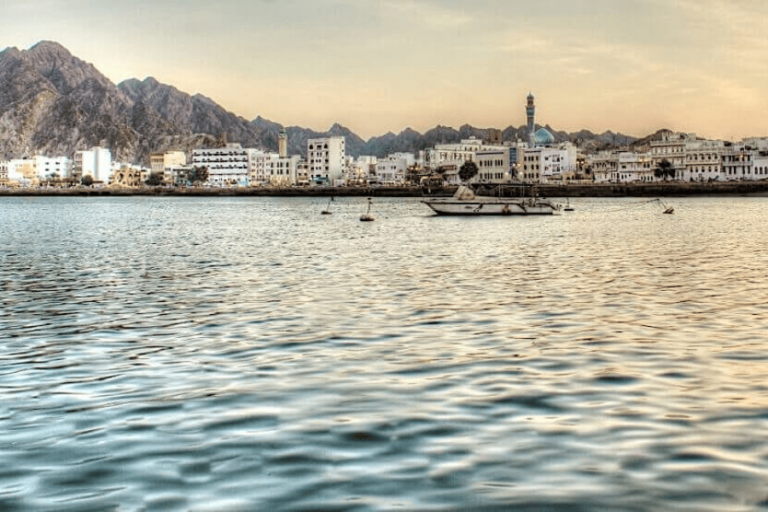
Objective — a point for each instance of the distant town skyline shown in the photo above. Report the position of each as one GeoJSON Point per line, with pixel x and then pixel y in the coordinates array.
{"type": "Point", "coordinates": [384, 65]}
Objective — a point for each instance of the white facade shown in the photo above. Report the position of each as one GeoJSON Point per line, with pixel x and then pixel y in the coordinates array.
{"type": "Point", "coordinates": [543, 163]}
{"type": "Point", "coordinates": [40, 168]}
{"type": "Point", "coordinates": [96, 162]}
{"type": "Point", "coordinates": [737, 164]}
{"type": "Point", "coordinates": [671, 147]}
{"type": "Point", "coordinates": [22, 171]}
{"type": "Point", "coordinates": [326, 159]}
{"type": "Point", "coordinates": [226, 166]}
{"type": "Point", "coordinates": [283, 172]}
{"type": "Point", "coordinates": [260, 166]}
{"type": "Point", "coordinates": [49, 168]}
{"type": "Point", "coordinates": [760, 165]}
{"type": "Point", "coordinates": [703, 160]}
{"type": "Point", "coordinates": [494, 161]}
{"type": "Point", "coordinates": [3, 172]}
{"type": "Point", "coordinates": [392, 170]}
{"type": "Point", "coordinates": [634, 167]}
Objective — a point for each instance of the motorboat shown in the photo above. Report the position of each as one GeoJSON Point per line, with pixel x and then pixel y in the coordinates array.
{"type": "Point", "coordinates": [466, 202]}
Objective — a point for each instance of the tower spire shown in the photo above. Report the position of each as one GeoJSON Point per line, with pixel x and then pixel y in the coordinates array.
{"type": "Point", "coordinates": [530, 110]}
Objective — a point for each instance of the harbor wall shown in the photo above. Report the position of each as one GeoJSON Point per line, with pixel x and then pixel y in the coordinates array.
{"type": "Point", "coordinates": [592, 190]}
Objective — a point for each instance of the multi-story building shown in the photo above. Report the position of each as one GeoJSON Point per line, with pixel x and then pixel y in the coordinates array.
{"type": "Point", "coordinates": [4, 173]}
{"type": "Point", "coordinates": [542, 164]}
{"type": "Point", "coordinates": [283, 171]}
{"type": "Point", "coordinates": [326, 160]}
{"type": "Point", "coordinates": [634, 167]}
{"type": "Point", "coordinates": [260, 166]}
{"type": "Point", "coordinates": [671, 147]}
{"type": "Point", "coordinates": [22, 171]}
{"type": "Point", "coordinates": [494, 161]}
{"type": "Point", "coordinates": [493, 166]}
{"type": "Point", "coordinates": [227, 166]}
{"type": "Point", "coordinates": [302, 173]}
{"type": "Point", "coordinates": [52, 167]}
{"type": "Point", "coordinates": [96, 162]}
{"type": "Point", "coordinates": [168, 164]}
{"type": "Point", "coordinates": [760, 164]}
{"type": "Point", "coordinates": [392, 170]}
{"type": "Point", "coordinates": [605, 166]}
{"type": "Point", "coordinates": [737, 163]}
{"type": "Point", "coordinates": [703, 160]}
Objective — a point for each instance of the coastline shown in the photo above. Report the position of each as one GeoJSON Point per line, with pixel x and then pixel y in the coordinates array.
{"type": "Point", "coordinates": [592, 190]}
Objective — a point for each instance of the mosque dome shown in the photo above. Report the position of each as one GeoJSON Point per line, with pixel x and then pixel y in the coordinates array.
{"type": "Point", "coordinates": [543, 137]}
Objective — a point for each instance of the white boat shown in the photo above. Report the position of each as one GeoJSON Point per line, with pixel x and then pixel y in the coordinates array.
{"type": "Point", "coordinates": [466, 202]}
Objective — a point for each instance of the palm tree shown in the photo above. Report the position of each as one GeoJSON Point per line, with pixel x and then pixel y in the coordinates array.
{"type": "Point", "coordinates": [665, 170]}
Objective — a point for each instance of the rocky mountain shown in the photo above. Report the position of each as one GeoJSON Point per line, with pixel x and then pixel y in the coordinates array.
{"type": "Point", "coordinates": [195, 114]}
{"type": "Point", "coordinates": [411, 141]}
{"type": "Point", "coordinates": [55, 103]}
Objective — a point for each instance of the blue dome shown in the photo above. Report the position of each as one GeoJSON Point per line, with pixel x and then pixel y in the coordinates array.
{"type": "Point", "coordinates": [542, 137]}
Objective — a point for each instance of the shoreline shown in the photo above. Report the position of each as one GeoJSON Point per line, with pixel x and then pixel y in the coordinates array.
{"type": "Point", "coordinates": [602, 190]}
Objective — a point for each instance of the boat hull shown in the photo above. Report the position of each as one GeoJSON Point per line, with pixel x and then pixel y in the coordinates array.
{"type": "Point", "coordinates": [472, 208]}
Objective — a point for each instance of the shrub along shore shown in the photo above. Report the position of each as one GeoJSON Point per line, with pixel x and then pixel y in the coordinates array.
{"type": "Point", "coordinates": [593, 190]}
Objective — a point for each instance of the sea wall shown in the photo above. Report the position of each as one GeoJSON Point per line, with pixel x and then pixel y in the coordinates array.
{"type": "Point", "coordinates": [593, 190]}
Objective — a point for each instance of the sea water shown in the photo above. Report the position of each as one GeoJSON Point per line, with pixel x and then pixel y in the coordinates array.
{"type": "Point", "coordinates": [224, 354]}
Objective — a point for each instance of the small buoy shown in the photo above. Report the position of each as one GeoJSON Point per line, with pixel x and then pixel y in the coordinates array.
{"type": "Point", "coordinates": [367, 217]}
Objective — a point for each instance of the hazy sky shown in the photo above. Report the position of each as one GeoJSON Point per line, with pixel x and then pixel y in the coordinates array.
{"type": "Point", "coordinates": [383, 65]}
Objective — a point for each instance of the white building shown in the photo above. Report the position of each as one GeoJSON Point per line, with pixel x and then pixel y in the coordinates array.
{"type": "Point", "coordinates": [302, 173]}
{"type": "Point", "coordinates": [760, 165]}
{"type": "Point", "coordinates": [604, 165]}
{"type": "Point", "coordinates": [96, 162]}
{"type": "Point", "coordinates": [546, 163]}
{"type": "Point", "coordinates": [3, 173]}
{"type": "Point", "coordinates": [22, 171]}
{"type": "Point", "coordinates": [392, 170]}
{"type": "Point", "coordinates": [50, 168]}
{"type": "Point", "coordinates": [227, 166]}
{"type": "Point", "coordinates": [260, 166]}
{"type": "Point", "coordinates": [703, 160]}
{"type": "Point", "coordinates": [169, 164]}
{"type": "Point", "coordinates": [361, 170]}
{"type": "Point", "coordinates": [737, 163]}
{"type": "Point", "coordinates": [634, 167]}
{"type": "Point", "coordinates": [326, 160]}
{"type": "Point", "coordinates": [671, 147]}
{"type": "Point", "coordinates": [283, 171]}
{"type": "Point", "coordinates": [494, 161]}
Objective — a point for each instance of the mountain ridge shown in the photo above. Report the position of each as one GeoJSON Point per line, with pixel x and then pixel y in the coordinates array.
{"type": "Point", "coordinates": [54, 102]}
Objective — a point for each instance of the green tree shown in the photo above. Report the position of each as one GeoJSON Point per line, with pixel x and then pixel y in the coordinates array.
{"type": "Point", "coordinates": [468, 170]}
{"type": "Point", "coordinates": [199, 175]}
{"type": "Point", "coordinates": [154, 180]}
{"type": "Point", "coordinates": [87, 180]}
{"type": "Point", "coordinates": [664, 170]}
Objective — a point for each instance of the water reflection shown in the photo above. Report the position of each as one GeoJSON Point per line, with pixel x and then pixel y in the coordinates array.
{"type": "Point", "coordinates": [232, 354]}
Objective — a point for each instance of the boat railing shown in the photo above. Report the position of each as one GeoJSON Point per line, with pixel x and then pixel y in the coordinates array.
{"type": "Point", "coordinates": [501, 190]}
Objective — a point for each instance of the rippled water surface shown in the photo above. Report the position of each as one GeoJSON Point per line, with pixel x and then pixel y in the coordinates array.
{"type": "Point", "coordinates": [251, 354]}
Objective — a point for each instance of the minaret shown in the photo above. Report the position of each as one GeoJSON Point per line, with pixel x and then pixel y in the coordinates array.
{"type": "Point", "coordinates": [282, 143]}
{"type": "Point", "coordinates": [530, 109]}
